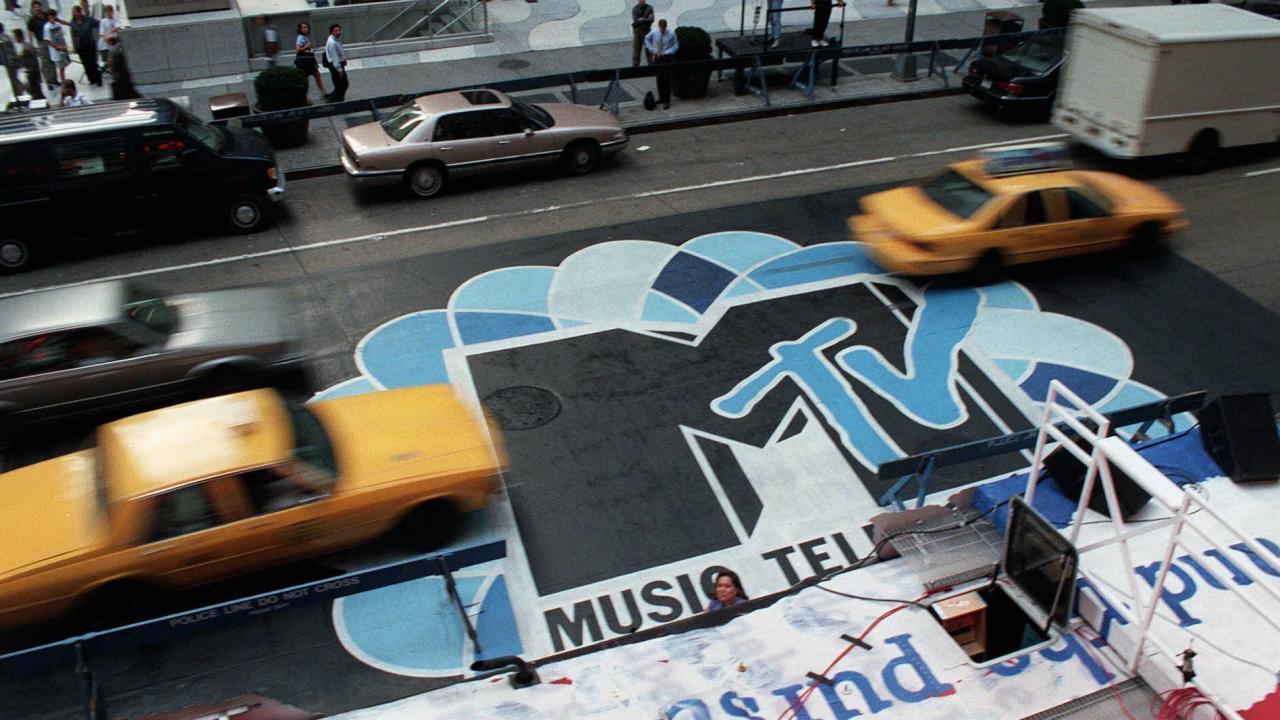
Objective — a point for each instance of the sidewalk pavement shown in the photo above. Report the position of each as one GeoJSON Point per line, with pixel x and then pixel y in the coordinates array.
{"type": "Point", "coordinates": [551, 37]}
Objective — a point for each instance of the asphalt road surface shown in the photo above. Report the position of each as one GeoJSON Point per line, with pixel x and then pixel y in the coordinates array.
{"type": "Point", "coordinates": [1199, 316]}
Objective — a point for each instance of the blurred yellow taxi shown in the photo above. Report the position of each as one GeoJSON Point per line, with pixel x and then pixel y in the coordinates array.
{"type": "Point", "coordinates": [1012, 205]}
{"type": "Point", "coordinates": [210, 489]}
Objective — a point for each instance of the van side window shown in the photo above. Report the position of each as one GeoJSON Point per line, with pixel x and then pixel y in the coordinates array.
{"type": "Point", "coordinates": [33, 355]}
{"type": "Point", "coordinates": [17, 168]}
{"type": "Point", "coordinates": [163, 149]}
{"type": "Point", "coordinates": [90, 157]}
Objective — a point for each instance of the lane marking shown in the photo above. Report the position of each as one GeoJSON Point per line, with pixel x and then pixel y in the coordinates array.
{"type": "Point", "coordinates": [1256, 173]}
{"type": "Point", "coordinates": [531, 212]}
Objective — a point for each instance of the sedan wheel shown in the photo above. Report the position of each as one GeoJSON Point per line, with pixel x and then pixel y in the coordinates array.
{"type": "Point", "coordinates": [14, 255]}
{"type": "Point", "coordinates": [581, 157]}
{"type": "Point", "coordinates": [424, 181]}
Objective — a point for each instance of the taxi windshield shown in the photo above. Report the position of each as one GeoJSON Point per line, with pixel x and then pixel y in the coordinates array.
{"type": "Point", "coordinates": [956, 193]}
{"type": "Point", "coordinates": [401, 122]}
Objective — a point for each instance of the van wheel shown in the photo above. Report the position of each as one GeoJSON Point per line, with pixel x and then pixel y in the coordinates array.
{"type": "Point", "coordinates": [581, 157]}
{"type": "Point", "coordinates": [428, 526]}
{"type": "Point", "coordinates": [424, 181]}
{"type": "Point", "coordinates": [14, 255]}
{"type": "Point", "coordinates": [1200, 156]}
{"type": "Point", "coordinates": [988, 269]}
{"type": "Point", "coordinates": [120, 603]}
{"type": "Point", "coordinates": [247, 213]}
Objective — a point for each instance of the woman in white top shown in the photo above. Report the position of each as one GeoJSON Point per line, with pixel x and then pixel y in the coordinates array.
{"type": "Point", "coordinates": [305, 56]}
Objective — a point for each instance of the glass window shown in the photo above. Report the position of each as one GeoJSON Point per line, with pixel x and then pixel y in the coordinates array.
{"type": "Point", "coordinates": [148, 309]}
{"type": "Point", "coordinates": [461, 126]}
{"type": "Point", "coordinates": [182, 512]}
{"type": "Point", "coordinates": [33, 355]}
{"type": "Point", "coordinates": [1015, 216]}
{"type": "Point", "coordinates": [1035, 208]}
{"type": "Point", "coordinates": [541, 118]}
{"type": "Point", "coordinates": [402, 122]}
{"type": "Point", "coordinates": [90, 157]}
{"type": "Point", "coordinates": [506, 122]}
{"type": "Point", "coordinates": [18, 168]}
{"type": "Point", "coordinates": [96, 346]}
{"type": "Point", "coordinates": [1036, 55]}
{"type": "Point", "coordinates": [310, 441]}
{"type": "Point", "coordinates": [216, 139]}
{"type": "Point", "coordinates": [281, 487]}
{"type": "Point", "coordinates": [1083, 206]}
{"type": "Point", "coordinates": [163, 148]}
{"type": "Point", "coordinates": [956, 193]}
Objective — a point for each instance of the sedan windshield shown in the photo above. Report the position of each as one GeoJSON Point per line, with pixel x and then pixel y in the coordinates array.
{"type": "Point", "coordinates": [401, 122]}
{"type": "Point", "coordinates": [1036, 55]}
{"type": "Point", "coordinates": [541, 117]}
{"type": "Point", "coordinates": [207, 135]}
{"type": "Point", "coordinates": [149, 309]}
{"type": "Point", "coordinates": [311, 442]}
{"type": "Point", "coordinates": [957, 194]}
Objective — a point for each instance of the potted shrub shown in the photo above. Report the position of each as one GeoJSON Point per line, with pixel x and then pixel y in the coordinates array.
{"type": "Point", "coordinates": [282, 88]}
{"type": "Point", "coordinates": [690, 80]}
{"type": "Point", "coordinates": [1056, 13]}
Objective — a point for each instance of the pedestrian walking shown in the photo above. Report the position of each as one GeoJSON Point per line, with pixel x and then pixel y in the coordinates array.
{"type": "Point", "coordinates": [641, 24]}
{"type": "Point", "coordinates": [270, 38]}
{"type": "Point", "coordinates": [84, 35]}
{"type": "Point", "coordinates": [660, 46]}
{"type": "Point", "coordinates": [35, 33]}
{"type": "Point", "coordinates": [336, 61]}
{"type": "Point", "coordinates": [108, 27]}
{"type": "Point", "coordinates": [118, 65]}
{"type": "Point", "coordinates": [304, 56]}
{"type": "Point", "coordinates": [775, 23]}
{"type": "Point", "coordinates": [30, 56]}
{"type": "Point", "coordinates": [55, 40]}
{"type": "Point", "coordinates": [821, 16]}
{"type": "Point", "coordinates": [9, 58]}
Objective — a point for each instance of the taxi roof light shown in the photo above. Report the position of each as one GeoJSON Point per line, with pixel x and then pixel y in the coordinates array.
{"type": "Point", "coordinates": [1028, 158]}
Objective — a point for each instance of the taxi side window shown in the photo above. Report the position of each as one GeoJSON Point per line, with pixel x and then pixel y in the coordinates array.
{"type": "Point", "coordinates": [100, 156]}
{"type": "Point", "coordinates": [1015, 216]}
{"type": "Point", "coordinates": [163, 148]}
{"type": "Point", "coordinates": [281, 487]}
{"type": "Point", "coordinates": [182, 512]}
{"type": "Point", "coordinates": [1035, 208]}
{"type": "Point", "coordinates": [1082, 206]}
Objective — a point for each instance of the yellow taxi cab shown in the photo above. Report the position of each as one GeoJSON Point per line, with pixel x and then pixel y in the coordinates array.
{"type": "Point", "coordinates": [1010, 206]}
{"type": "Point", "coordinates": [199, 492]}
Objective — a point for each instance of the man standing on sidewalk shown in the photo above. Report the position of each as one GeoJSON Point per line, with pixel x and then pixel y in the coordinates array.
{"type": "Point", "coordinates": [9, 58]}
{"type": "Point", "coordinates": [336, 61]}
{"type": "Point", "coordinates": [641, 23]}
{"type": "Point", "coordinates": [661, 46]}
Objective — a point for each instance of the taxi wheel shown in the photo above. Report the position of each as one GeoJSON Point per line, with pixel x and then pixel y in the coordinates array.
{"type": "Point", "coordinates": [428, 526]}
{"type": "Point", "coordinates": [988, 269]}
{"type": "Point", "coordinates": [14, 255]}
{"type": "Point", "coordinates": [120, 603]}
{"type": "Point", "coordinates": [581, 157]}
{"type": "Point", "coordinates": [1145, 238]}
{"type": "Point", "coordinates": [424, 181]}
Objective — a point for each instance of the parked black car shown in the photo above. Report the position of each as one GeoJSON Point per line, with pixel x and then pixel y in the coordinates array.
{"type": "Point", "coordinates": [96, 170]}
{"type": "Point", "coordinates": [1024, 77]}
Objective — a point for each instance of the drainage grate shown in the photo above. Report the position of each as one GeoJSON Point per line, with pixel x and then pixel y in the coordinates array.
{"type": "Point", "coordinates": [522, 407]}
{"type": "Point", "coordinates": [514, 64]}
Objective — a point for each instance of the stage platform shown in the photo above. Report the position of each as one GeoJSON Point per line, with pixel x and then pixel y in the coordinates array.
{"type": "Point", "coordinates": [791, 47]}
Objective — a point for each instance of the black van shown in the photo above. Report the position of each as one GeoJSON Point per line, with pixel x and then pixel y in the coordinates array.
{"type": "Point", "coordinates": [96, 170]}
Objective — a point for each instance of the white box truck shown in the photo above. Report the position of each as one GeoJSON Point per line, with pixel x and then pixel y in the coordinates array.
{"type": "Point", "coordinates": [1143, 81]}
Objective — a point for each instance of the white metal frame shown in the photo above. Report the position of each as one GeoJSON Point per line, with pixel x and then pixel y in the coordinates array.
{"type": "Point", "coordinates": [1109, 451]}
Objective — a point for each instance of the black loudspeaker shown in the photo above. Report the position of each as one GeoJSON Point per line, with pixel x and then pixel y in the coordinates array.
{"type": "Point", "coordinates": [1239, 431]}
{"type": "Point", "coordinates": [1069, 474]}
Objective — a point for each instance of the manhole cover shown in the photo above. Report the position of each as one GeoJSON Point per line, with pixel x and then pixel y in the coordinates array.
{"type": "Point", "coordinates": [514, 64]}
{"type": "Point", "coordinates": [522, 407]}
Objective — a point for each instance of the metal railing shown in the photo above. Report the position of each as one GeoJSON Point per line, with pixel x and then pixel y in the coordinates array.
{"type": "Point", "coordinates": [431, 19]}
{"type": "Point", "coordinates": [1109, 454]}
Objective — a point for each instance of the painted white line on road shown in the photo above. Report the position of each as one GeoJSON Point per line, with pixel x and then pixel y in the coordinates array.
{"type": "Point", "coordinates": [1256, 173]}
{"type": "Point", "coordinates": [535, 211]}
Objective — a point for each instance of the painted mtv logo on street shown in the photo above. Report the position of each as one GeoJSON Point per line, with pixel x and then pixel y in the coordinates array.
{"type": "Point", "coordinates": [723, 402]}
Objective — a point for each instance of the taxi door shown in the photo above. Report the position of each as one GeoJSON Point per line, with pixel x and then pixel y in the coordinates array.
{"type": "Point", "coordinates": [1073, 225]}
{"type": "Point", "coordinates": [1017, 229]}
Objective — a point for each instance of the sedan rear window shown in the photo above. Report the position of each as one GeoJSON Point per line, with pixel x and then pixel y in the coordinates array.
{"type": "Point", "coordinates": [400, 123]}
{"type": "Point", "coordinates": [1036, 55]}
{"type": "Point", "coordinates": [956, 193]}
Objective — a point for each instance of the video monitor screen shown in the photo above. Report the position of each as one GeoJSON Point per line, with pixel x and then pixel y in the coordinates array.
{"type": "Point", "coordinates": [1040, 561]}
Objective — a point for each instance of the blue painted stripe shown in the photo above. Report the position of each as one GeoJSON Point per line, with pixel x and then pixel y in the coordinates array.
{"type": "Point", "coordinates": [692, 280]}
{"type": "Point", "coordinates": [496, 631]}
{"type": "Point", "coordinates": [1091, 387]}
{"type": "Point", "coordinates": [407, 351]}
{"type": "Point", "coordinates": [478, 327]}
{"type": "Point", "coordinates": [660, 308]}
{"type": "Point", "coordinates": [739, 250]}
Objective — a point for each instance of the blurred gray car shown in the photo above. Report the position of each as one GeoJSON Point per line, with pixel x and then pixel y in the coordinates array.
{"type": "Point", "coordinates": [104, 346]}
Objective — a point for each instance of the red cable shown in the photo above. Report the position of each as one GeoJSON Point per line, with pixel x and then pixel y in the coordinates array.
{"type": "Point", "coordinates": [813, 685]}
{"type": "Point", "coordinates": [1111, 682]}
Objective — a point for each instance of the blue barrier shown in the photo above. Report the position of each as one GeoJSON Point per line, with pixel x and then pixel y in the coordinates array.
{"type": "Point", "coordinates": [212, 617]}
